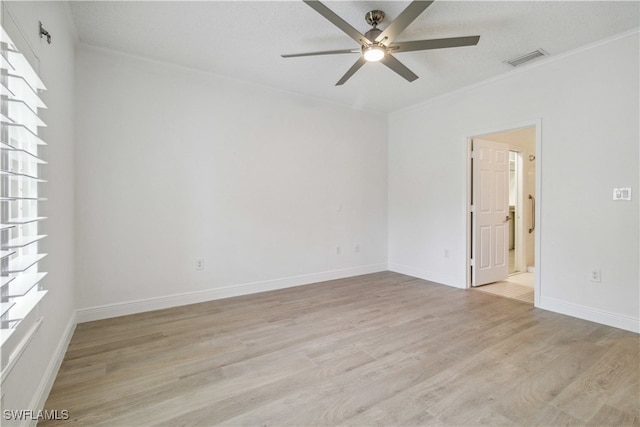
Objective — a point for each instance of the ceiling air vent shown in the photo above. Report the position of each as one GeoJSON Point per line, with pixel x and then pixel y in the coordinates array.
{"type": "Point", "coordinates": [538, 53]}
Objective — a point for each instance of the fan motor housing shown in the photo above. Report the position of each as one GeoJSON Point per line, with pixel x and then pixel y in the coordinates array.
{"type": "Point", "coordinates": [372, 34]}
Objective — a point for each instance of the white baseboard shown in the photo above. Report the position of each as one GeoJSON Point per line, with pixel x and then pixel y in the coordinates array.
{"type": "Point", "coordinates": [157, 303]}
{"type": "Point", "coordinates": [425, 275]}
{"type": "Point", "coordinates": [46, 383]}
{"type": "Point", "coordinates": [591, 314]}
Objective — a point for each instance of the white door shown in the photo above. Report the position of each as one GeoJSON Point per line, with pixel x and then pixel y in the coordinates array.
{"type": "Point", "coordinates": [490, 248]}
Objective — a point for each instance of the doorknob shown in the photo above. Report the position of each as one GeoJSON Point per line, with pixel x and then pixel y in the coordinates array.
{"type": "Point", "coordinates": [507, 218]}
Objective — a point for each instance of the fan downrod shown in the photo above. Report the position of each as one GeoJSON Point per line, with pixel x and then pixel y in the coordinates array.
{"type": "Point", "coordinates": [374, 17]}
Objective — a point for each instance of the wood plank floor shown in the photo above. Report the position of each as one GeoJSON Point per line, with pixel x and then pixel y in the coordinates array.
{"type": "Point", "coordinates": [379, 349]}
{"type": "Point", "coordinates": [509, 290]}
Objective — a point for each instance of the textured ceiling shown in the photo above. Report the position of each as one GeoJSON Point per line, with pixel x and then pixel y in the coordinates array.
{"type": "Point", "coordinates": [244, 40]}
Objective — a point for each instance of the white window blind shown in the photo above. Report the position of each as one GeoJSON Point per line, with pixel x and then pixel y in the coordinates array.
{"type": "Point", "coordinates": [20, 287]}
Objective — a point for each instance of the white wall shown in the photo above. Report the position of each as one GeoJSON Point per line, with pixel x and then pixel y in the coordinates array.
{"type": "Point", "coordinates": [588, 106]}
{"type": "Point", "coordinates": [174, 164]}
{"type": "Point", "coordinates": [28, 383]}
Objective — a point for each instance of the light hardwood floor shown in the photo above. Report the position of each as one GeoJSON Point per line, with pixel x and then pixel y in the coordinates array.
{"type": "Point", "coordinates": [379, 349]}
{"type": "Point", "coordinates": [517, 286]}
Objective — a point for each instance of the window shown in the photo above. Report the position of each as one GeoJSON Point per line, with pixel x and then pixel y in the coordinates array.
{"type": "Point", "coordinates": [20, 287]}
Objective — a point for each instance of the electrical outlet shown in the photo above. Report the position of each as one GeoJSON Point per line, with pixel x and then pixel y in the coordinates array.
{"type": "Point", "coordinates": [356, 248]}
{"type": "Point", "coordinates": [595, 275]}
{"type": "Point", "coordinates": [199, 263]}
{"type": "Point", "coordinates": [338, 250]}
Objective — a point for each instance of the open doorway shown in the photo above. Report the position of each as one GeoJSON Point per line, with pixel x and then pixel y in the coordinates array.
{"type": "Point", "coordinates": [516, 243]}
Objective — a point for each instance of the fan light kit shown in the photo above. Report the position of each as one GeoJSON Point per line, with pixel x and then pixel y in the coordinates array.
{"type": "Point", "coordinates": [373, 53]}
{"type": "Point", "coordinates": [377, 45]}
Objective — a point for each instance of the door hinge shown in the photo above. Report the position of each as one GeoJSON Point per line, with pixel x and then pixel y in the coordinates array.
{"type": "Point", "coordinates": [472, 208]}
{"type": "Point", "coordinates": [471, 263]}
{"type": "Point", "coordinates": [473, 154]}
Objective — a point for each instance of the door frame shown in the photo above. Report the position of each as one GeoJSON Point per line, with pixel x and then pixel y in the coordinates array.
{"type": "Point", "coordinates": [537, 124]}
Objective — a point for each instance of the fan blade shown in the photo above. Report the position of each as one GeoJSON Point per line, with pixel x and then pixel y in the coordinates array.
{"type": "Point", "coordinates": [355, 67]}
{"type": "Point", "coordinates": [403, 20]}
{"type": "Point", "coordinates": [338, 22]}
{"type": "Point", "coordinates": [398, 67]}
{"type": "Point", "coordinates": [326, 52]}
{"type": "Point", "coordinates": [434, 44]}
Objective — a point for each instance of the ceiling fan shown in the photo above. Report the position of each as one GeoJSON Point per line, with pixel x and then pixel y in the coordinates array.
{"type": "Point", "coordinates": [378, 45]}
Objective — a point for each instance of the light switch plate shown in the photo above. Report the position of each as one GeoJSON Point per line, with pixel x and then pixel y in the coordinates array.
{"type": "Point", "coordinates": [622, 193]}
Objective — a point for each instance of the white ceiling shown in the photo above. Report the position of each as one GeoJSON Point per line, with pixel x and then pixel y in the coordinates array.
{"type": "Point", "coordinates": [244, 40]}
